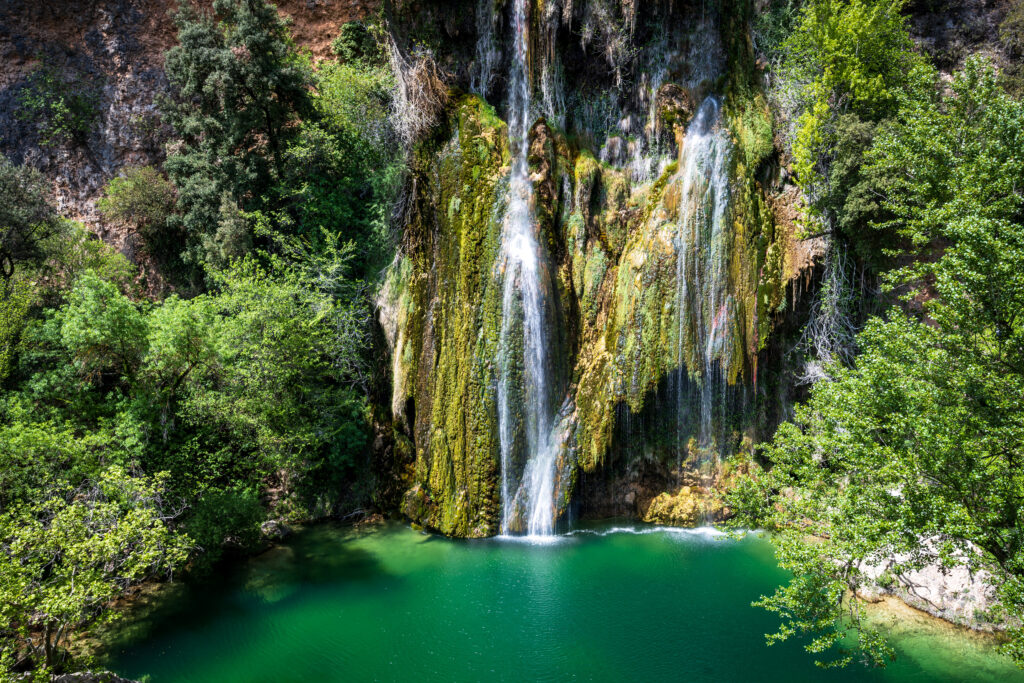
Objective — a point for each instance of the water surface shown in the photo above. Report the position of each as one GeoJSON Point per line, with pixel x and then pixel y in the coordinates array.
{"type": "Point", "coordinates": [634, 603]}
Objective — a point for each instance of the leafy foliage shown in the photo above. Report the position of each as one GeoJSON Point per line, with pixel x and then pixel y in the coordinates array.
{"type": "Point", "coordinates": [913, 453]}
{"type": "Point", "coordinates": [771, 26]}
{"type": "Point", "coordinates": [845, 57]}
{"type": "Point", "coordinates": [345, 168]}
{"type": "Point", "coordinates": [27, 217]}
{"type": "Point", "coordinates": [356, 44]}
{"type": "Point", "coordinates": [64, 109]}
{"type": "Point", "coordinates": [140, 196]}
{"type": "Point", "coordinates": [65, 556]}
{"type": "Point", "coordinates": [239, 89]}
{"type": "Point", "coordinates": [101, 328]}
{"type": "Point", "coordinates": [845, 68]}
{"type": "Point", "coordinates": [144, 200]}
{"type": "Point", "coordinates": [137, 436]}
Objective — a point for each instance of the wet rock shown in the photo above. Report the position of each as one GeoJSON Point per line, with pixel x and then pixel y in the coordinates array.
{"type": "Point", "coordinates": [689, 506]}
{"type": "Point", "coordinates": [675, 106]}
{"type": "Point", "coordinates": [275, 530]}
{"type": "Point", "coordinates": [84, 677]}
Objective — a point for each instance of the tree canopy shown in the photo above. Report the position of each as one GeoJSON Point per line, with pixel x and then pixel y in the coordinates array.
{"type": "Point", "coordinates": [913, 452]}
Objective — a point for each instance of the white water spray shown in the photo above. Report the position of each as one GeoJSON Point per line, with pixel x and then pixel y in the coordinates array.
{"type": "Point", "coordinates": [524, 387]}
{"type": "Point", "coordinates": [702, 262]}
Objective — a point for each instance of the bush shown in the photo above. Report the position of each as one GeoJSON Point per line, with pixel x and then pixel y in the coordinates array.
{"type": "Point", "coordinates": [102, 328]}
{"type": "Point", "coordinates": [64, 109]}
{"type": "Point", "coordinates": [27, 217]}
{"type": "Point", "coordinates": [140, 197]}
{"type": "Point", "coordinates": [357, 45]}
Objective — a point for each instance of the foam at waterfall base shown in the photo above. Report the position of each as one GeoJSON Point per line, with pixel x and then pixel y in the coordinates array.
{"type": "Point", "coordinates": [535, 539]}
{"type": "Point", "coordinates": [692, 533]}
{"type": "Point", "coordinates": [688, 532]}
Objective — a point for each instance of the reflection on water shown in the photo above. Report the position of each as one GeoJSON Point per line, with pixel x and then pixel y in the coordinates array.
{"type": "Point", "coordinates": [600, 603]}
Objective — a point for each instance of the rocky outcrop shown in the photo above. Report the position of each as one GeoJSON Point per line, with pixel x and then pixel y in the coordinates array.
{"type": "Point", "coordinates": [956, 594]}
{"type": "Point", "coordinates": [652, 369]}
{"type": "Point", "coordinates": [442, 308]}
{"type": "Point", "coordinates": [275, 530]}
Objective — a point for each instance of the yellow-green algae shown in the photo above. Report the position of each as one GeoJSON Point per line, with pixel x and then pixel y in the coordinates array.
{"type": "Point", "coordinates": [615, 264]}
{"type": "Point", "coordinates": [449, 321]}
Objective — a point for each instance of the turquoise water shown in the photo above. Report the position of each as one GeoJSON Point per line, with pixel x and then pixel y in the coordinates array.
{"type": "Point", "coordinates": [636, 604]}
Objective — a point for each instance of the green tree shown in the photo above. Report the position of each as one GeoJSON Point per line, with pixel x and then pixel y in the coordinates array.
{"type": "Point", "coordinates": [140, 197]}
{"type": "Point", "coordinates": [71, 253]}
{"type": "Point", "coordinates": [344, 167]}
{"type": "Point", "coordinates": [283, 351]}
{"type": "Point", "coordinates": [102, 328]}
{"type": "Point", "coordinates": [845, 56]}
{"type": "Point", "coordinates": [27, 217]}
{"type": "Point", "coordinates": [356, 44]}
{"type": "Point", "coordinates": [65, 557]}
{"type": "Point", "coordinates": [239, 89]}
{"type": "Point", "coordinates": [915, 450]}
{"type": "Point", "coordinates": [16, 299]}
{"type": "Point", "coordinates": [37, 456]}
{"type": "Point", "coordinates": [846, 67]}
{"type": "Point", "coordinates": [143, 199]}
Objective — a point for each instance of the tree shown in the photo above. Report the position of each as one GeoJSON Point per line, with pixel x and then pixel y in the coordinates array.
{"type": "Point", "coordinates": [37, 456]}
{"type": "Point", "coordinates": [915, 451]}
{"type": "Point", "coordinates": [277, 382]}
{"type": "Point", "coordinates": [68, 554]}
{"type": "Point", "coordinates": [345, 165]}
{"type": "Point", "coordinates": [239, 89]}
{"type": "Point", "coordinates": [27, 218]}
{"type": "Point", "coordinates": [102, 328]}
{"type": "Point", "coordinates": [15, 301]}
{"type": "Point", "coordinates": [846, 67]}
{"type": "Point", "coordinates": [140, 197]}
{"type": "Point", "coordinates": [144, 200]}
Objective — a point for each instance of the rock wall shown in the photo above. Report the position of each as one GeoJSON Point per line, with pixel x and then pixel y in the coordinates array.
{"type": "Point", "coordinates": [615, 189]}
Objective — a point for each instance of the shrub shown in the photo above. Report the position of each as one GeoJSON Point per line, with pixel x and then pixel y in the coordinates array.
{"type": "Point", "coordinates": [64, 109]}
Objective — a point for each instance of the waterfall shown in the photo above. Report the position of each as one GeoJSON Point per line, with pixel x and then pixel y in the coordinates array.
{"type": "Point", "coordinates": [525, 410]}
{"type": "Point", "coordinates": [488, 52]}
{"type": "Point", "coordinates": [704, 304]}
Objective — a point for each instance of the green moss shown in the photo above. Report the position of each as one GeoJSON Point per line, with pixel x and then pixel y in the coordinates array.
{"type": "Point", "coordinates": [449, 331]}
{"type": "Point", "coordinates": [613, 248]}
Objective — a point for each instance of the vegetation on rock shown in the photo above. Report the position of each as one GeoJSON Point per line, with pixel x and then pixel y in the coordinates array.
{"type": "Point", "coordinates": [140, 437]}
{"type": "Point", "coordinates": [143, 437]}
{"type": "Point", "coordinates": [911, 451]}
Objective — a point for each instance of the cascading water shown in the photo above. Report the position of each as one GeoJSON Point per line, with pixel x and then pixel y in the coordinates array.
{"type": "Point", "coordinates": [523, 382]}
{"type": "Point", "coordinates": [488, 52]}
{"type": "Point", "coordinates": [704, 303]}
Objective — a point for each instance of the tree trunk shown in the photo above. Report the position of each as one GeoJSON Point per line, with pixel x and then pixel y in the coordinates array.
{"type": "Point", "coordinates": [48, 645]}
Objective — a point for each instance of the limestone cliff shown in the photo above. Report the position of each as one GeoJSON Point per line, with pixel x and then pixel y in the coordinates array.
{"type": "Point", "coordinates": [658, 201]}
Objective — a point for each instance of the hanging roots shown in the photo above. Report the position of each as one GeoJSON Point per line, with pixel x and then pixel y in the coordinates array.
{"type": "Point", "coordinates": [420, 94]}
{"type": "Point", "coordinates": [830, 335]}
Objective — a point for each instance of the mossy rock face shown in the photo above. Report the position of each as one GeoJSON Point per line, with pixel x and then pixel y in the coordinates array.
{"type": "Point", "coordinates": [445, 307]}
{"type": "Point", "coordinates": [689, 506]}
{"type": "Point", "coordinates": [621, 334]}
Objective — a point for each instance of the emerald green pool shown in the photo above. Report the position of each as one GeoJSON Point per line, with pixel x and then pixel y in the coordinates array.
{"type": "Point", "coordinates": [633, 604]}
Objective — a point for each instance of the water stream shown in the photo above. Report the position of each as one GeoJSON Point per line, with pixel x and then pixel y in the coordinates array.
{"type": "Point", "coordinates": [704, 304]}
{"type": "Point", "coordinates": [525, 409]}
